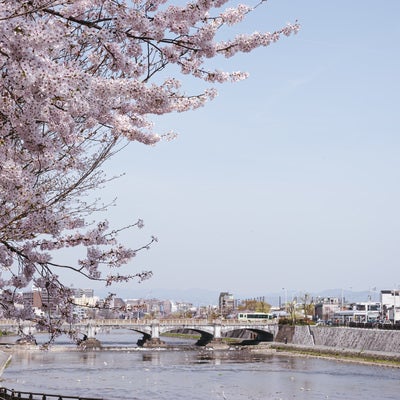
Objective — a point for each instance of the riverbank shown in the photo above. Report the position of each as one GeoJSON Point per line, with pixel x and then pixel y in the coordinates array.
{"type": "Point", "coordinates": [385, 359]}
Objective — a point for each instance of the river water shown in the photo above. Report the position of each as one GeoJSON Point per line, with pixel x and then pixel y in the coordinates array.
{"type": "Point", "coordinates": [194, 374]}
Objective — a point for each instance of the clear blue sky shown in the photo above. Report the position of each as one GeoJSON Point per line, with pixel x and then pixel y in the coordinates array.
{"type": "Point", "coordinates": [288, 179]}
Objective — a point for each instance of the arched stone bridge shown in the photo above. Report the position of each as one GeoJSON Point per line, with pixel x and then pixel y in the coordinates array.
{"type": "Point", "coordinates": [210, 331]}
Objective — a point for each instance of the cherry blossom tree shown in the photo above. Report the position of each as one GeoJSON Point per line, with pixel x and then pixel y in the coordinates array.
{"type": "Point", "coordinates": [79, 80]}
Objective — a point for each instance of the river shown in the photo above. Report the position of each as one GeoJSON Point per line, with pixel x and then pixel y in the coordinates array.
{"type": "Point", "coordinates": [194, 374]}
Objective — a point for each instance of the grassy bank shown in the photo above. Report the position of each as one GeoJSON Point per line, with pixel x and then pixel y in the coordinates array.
{"type": "Point", "coordinates": [182, 335]}
{"type": "Point", "coordinates": [194, 336]}
{"type": "Point", "coordinates": [383, 359]}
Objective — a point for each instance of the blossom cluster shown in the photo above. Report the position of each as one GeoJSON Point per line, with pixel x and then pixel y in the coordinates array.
{"type": "Point", "coordinates": [79, 79]}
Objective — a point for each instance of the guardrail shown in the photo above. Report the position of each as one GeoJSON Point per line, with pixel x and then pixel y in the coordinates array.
{"type": "Point", "coordinates": [7, 394]}
{"type": "Point", "coordinates": [372, 325]}
{"type": "Point", "coordinates": [170, 321]}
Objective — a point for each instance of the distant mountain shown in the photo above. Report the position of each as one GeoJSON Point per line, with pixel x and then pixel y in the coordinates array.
{"type": "Point", "coordinates": [350, 296]}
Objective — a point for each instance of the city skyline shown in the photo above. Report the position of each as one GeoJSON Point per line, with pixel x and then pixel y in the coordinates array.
{"type": "Point", "coordinates": [201, 297]}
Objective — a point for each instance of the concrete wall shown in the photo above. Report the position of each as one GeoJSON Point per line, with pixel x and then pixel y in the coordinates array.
{"type": "Point", "coordinates": [303, 335]}
{"type": "Point", "coordinates": [348, 338]}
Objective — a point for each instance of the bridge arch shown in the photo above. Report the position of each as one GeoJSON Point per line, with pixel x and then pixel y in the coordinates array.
{"type": "Point", "coordinates": [260, 335]}
{"type": "Point", "coordinates": [206, 335]}
{"type": "Point", "coordinates": [142, 331]}
{"type": "Point", "coordinates": [202, 330]}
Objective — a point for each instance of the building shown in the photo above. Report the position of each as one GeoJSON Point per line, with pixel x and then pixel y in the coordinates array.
{"type": "Point", "coordinates": [326, 308]}
{"type": "Point", "coordinates": [77, 292]}
{"type": "Point", "coordinates": [136, 308]}
{"type": "Point", "coordinates": [168, 307]}
{"type": "Point", "coordinates": [84, 306]}
{"type": "Point", "coordinates": [390, 301]}
{"type": "Point", "coordinates": [32, 299]}
{"type": "Point", "coordinates": [155, 308]}
{"type": "Point", "coordinates": [226, 303]}
{"type": "Point", "coordinates": [359, 312]}
{"type": "Point", "coordinates": [40, 302]}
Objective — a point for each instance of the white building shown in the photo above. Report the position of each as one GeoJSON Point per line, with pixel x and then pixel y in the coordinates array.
{"type": "Point", "coordinates": [81, 305]}
{"type": "Point", "coordinates": [360, 312]}
{"type": "Point", "coordinates": [390, 300]}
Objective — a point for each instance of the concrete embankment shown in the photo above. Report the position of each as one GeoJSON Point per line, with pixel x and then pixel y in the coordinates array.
{"type": "Point", "coordinates": [348, 338]}
{"type": "Point", "coordinates": [371, 346]}
{"type": "Point", "coordinates": [342, 342]}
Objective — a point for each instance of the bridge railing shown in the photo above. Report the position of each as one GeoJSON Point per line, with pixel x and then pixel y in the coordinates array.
{"type": "Point", "coordinates": [177, 321]}
{"type": "Point", "coordinates": [7, 394]}
{"type": "Point", "coordinates": [145, 321]}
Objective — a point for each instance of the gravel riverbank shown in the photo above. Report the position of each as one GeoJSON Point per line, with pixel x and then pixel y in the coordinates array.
{"type": "Point", "coordinates": [364, 356]}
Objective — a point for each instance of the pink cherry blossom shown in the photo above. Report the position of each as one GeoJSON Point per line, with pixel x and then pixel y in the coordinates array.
{"type": "Point", "coordinates": [80, 79]}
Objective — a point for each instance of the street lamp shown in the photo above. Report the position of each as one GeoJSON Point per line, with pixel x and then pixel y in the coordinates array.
{"type": "Point", "coordinates": [285, 289]}
{"type": "Point", "coordinates": [342, 301]}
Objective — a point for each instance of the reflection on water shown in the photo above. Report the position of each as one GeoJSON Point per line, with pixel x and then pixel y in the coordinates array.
{"type": "Point", "coordinates": [196, 375]}
{"type": "Point", "coordinates": [152, 357]}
